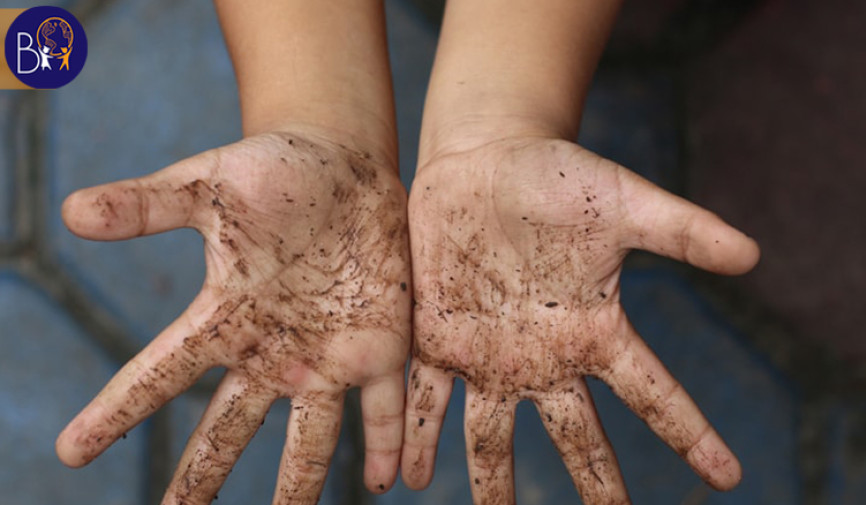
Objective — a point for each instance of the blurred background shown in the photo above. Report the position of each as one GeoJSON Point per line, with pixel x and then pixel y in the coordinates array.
{"type": "Point", "coordinates": [754, 109]}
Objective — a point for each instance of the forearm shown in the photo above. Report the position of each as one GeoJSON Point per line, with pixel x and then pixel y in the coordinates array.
{"type": "Point", "coordinates": [323, 63]}
{"type": "Point", "coordinates": [512, 68]}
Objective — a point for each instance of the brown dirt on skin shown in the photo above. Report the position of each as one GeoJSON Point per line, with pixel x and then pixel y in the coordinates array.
{"type": "Point", "coordinates": [297, 273]}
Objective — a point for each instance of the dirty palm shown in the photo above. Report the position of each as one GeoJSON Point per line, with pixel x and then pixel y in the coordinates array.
{"type": "Point", "coordinates": [307, 294]}
{"type": "Point", "coordinates": [516, 274]}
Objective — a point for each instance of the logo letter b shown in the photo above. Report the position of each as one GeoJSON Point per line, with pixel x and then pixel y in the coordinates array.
{"type": "Point", "coordinates": [28, 47]}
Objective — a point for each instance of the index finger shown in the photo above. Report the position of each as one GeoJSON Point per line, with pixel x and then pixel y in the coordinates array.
{"type": "Point", "coordinates": [164, 369]}
{"type": "Point", "coordinates": [640, 380]}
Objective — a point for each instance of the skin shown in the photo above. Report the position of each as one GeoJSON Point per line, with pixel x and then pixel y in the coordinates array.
{"type": "Point", "coordinates": [308, 286]}
{"type": "Point", "coordinates": [517, 267]}
{"type": "Point", "coordinates": [517, 293]}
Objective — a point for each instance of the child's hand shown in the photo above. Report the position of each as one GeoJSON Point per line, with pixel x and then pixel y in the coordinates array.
{"type": "Point", "coordinates": [517, 248]}
{"type": "Point", "coordinates": [307, 294]}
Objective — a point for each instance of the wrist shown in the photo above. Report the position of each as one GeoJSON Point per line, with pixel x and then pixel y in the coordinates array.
{"type": "Point", "coordinates": [359, 129]}
{"type": "Point", "coordinates": [323, 64]}
{"type": "Point", "coordinates": [470, 131]}
{"type": "Point", "coordinates": [516, 71]}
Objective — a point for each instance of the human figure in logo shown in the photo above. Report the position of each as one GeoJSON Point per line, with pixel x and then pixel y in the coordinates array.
{"type": "Point", "coordinates": [65, 58]}
{"type": "Point", "coordinates": [45, 57]}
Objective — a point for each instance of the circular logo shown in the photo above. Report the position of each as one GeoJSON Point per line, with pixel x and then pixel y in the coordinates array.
{"type": "Point", "coordinates": [46, 47]}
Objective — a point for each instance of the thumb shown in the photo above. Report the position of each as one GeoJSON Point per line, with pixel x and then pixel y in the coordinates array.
{"type": "Point", "coordinates": [162, 201]}
{"type": "Point", "coordinates": [671, 226]}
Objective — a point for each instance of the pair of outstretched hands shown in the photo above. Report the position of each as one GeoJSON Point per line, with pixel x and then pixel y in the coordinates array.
{"type": "Point", "coordinates": [516, 250]}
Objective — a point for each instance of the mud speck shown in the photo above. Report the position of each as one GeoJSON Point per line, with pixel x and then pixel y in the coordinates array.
{"type": "Point", "coordinates": [363, 173]}
{"type": "Point", "coordinates": [108, 211]}
{"type": "Point", "coordinates": [242, 268]}
{"type": "Point", "coordinates": [596, 475]}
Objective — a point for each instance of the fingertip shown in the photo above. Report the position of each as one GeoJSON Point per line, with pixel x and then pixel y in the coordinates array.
{"type": "Point", "coordinates": [69, 451]}
{"type": "Point", "coordinates": [415, 471]}
{"type": "Point", "coordinates": [64, 453]}
{"type": "Point", "coordinates": [107, 212]}
{"type": "Point", "coordinates": [718, 247]}
{"type": "Point", "coordinates": [727, 475]}
{"type": "Point", "coordinates": [749, 255]}
{"type": "Point", "coordinates": [380, 470]}
{"type": "Point", "coordinates": [716, 464]}
{"type": "Point", "coordinates": [380, 478]}
{"type": "Point", "coordinates": [70, 211]}
{"type": "Point", "coordinates": [727, 257]}
{"type": "Point", "coordinates": [377, 487]}
{"type": "Point", "coordinates": [731, 477]}
{"type": "Point", "coordinates": [417, 483]}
